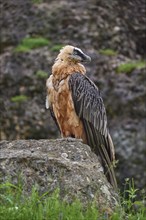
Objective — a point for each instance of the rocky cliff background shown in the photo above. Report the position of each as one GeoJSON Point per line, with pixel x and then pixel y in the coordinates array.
{"type": "Point", "coordinates": [113, 33]}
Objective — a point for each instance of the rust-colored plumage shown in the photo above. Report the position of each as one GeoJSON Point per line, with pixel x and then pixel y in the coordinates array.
{"type": "Point", "coordinates": [77, 107]}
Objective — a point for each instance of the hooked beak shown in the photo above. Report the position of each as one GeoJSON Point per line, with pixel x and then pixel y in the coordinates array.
{"type": "Point", "coordinates": [86, 59]}
{"type": "Point", "coordinates": [79, 56]}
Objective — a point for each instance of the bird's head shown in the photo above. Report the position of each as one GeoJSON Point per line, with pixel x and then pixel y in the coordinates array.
{"type": "Point", "coordinates": [73, 54]}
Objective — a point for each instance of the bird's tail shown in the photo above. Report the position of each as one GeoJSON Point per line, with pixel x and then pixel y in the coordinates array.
{"type": "Point", "coordinates": [103, 147]}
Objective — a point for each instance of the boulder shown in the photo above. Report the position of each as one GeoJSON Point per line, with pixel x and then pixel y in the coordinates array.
{"type": "Point", "coordinates": [67, 164]}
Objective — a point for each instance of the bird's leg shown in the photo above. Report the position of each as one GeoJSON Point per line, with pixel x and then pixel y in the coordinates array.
{"type": "Point", "coordinates": [72, 139]}
{"type": "Point", "coordinates": [69, 137]}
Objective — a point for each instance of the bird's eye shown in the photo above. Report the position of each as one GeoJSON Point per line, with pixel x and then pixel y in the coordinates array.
{"type": "Point", "coordinates": [75, 52]}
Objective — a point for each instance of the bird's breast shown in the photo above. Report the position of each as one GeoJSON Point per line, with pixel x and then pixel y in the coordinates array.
{"type": "Point", "coordinates": [62, 102]}
{"type": "Point", "coordinates": [59, 97]}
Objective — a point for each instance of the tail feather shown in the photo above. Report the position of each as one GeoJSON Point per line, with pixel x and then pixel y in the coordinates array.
{"type": "Point", "coordinates": [102, 146]}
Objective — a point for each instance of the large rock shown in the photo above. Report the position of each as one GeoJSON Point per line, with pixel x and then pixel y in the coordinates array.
{"type": "Point", "coordinates": [66, 164]}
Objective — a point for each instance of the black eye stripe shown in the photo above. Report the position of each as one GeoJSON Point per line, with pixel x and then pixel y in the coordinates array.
{"type": "Point", "coordinates": [78, 52]}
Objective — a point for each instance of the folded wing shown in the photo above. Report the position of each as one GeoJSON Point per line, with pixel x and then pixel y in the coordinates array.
{"type": "Point", "coordinates": [90, 109]}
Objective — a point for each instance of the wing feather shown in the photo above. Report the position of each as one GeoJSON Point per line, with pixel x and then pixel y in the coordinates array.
{"type": "Point", "coordinates": [90, 109]}
{"type": "Point", "coordinates": [48, 103]}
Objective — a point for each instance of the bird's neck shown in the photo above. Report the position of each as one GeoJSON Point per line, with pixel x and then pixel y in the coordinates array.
{"type": "Point", "coordinates": [62, 70]}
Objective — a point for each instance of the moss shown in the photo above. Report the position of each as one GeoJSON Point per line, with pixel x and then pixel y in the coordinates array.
{"type": "Point", "coordinates": [21, 48]}
{"type": "Point", "coordinates": [56, 47]}
{"type": "Point", "coordinates": [28, 44]}
{"type": "Point", "coordinates": [19, 98]}
{"type": "Point", "coordinates": [108, 52]}
{"type": "Point", "coordinates": [41, 74]}
{"type": "Point", "coordinates": [130, 66]}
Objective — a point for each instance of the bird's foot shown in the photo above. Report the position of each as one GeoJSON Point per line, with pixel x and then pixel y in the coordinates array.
{"type": "Point", "coordinates": [71, 139]}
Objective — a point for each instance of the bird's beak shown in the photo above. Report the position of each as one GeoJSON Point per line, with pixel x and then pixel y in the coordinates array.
{"type": "Point", "coordinates": [86, 59]}
{"type": "Point", "coordinates": [82, 58]}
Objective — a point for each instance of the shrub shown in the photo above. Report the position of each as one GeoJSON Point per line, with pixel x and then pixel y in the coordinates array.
{"type": "Point", "coordinates": [130, 66]}
{"type": "Point", "coordinates": [19, 98]}
{"type": "Point", "coordinates": [28, 44]}
{"type": "Point", "coordinates": [41, 74]}
{"type": "Point", "coordinates": [108, 52]}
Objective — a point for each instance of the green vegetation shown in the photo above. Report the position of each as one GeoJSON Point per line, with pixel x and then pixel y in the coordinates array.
{"type": "Point", "coordinates": [134, 209]}
{"type": "Point", "coordinates": [108, 52]}
{"type": "Point", "coordinates": [28, 44]}
{"type": "Point", "coordinates": [130, 66]}
{"type": "Point", "coordinates": [19, 98]}
{"type": "Point", "coordinates": [41, 74]}
{"type": "Point", "coordinates": [56, 47]}
{"type": "Point", "coordinates": [15, 205]}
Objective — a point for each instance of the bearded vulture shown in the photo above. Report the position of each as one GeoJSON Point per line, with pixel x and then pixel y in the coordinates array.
{"type": "Point", "coordinates": [77, 107]}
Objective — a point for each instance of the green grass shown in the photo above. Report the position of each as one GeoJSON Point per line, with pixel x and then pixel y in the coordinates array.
{"type": "Point", "coordinates": [133, 208]}
{"type": "Point", "coordinates": [31, 43]}
{"type": "Point", "coordinates": [57, 48]}
{"type": "Point", "coordinates": [108, 52]}
{"type": "Point", "coordinates": [130, 66]}
{"type": "Point", "coordinates": [19, 98]}
{"type": "Point", "coordinates": [41, 74]}
{"type": "Point", "coordinates": [14, 205]}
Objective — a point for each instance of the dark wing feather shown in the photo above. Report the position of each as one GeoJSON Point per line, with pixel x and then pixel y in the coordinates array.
{"type": "Point", "coordinates": [49, 106]}
{"type": "Point", "coordinates": [53, 116]}
{"type": "Point", "coordinates": [90, 109]}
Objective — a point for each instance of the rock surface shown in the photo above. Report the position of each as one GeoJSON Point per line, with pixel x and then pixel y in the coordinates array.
{"type": "Point", "coordinates": [91, 25]}
{"type": "Point", "coordinates": [66, 164]}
